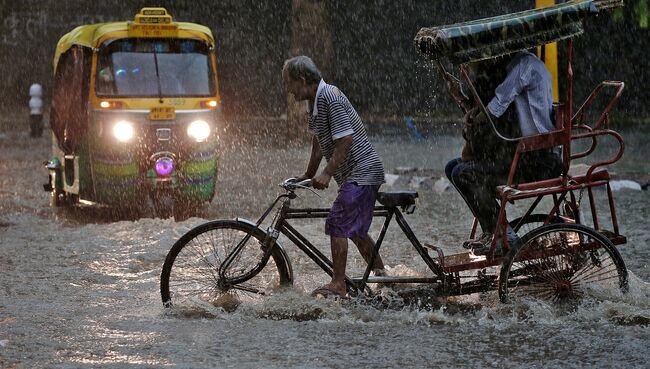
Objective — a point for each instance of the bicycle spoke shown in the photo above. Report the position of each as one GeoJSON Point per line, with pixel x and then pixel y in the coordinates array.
{"type": "Point", "coordinates": [568, 272]}
{"type": "Point", "coordinates": [193, 272]}
{"type": "Point", "coordinates": [202, 259]}
{"type": "Point", "coordinates": [246, 288]}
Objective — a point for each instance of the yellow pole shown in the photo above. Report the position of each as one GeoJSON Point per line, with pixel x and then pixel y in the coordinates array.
{"type": "Point", "coordinates": [550, 53]}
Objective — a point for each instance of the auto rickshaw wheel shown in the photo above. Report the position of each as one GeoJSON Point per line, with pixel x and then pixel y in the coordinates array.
{"type": "Point", "coordinates": [55, 193]}
{"type": "Point", "coordinates": [60, 198]}
{"type": "Point", "coordinates": [71, 199]}
{"type": "Point", "coordinates": [185, 209]}
{"type": "Point", "coordinates": [55, 198]}
{"type": "Point", "coordinates": [163, 205]}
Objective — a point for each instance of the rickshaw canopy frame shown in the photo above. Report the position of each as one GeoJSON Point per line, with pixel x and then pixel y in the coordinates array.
{"type": "Point", "coordinates": [488, 38]}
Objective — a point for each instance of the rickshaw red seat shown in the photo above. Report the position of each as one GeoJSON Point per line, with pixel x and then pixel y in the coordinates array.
{"type": "Point", "coordinates": [578, 177]}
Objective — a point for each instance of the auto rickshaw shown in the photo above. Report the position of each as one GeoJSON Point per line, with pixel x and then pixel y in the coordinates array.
{"type": "Point", "coordinates": [135, 112]}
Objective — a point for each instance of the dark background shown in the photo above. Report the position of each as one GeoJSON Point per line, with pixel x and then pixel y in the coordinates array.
{"type": "Point", "coordinates": [373, 58]}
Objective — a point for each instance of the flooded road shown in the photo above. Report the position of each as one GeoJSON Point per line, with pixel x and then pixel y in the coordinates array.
{"type": "Point", "coordinates": [81, 290]}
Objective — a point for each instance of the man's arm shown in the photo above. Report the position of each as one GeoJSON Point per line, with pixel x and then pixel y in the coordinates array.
{"type": "Point", "coordinates": [341, 149]}
{"type": "Point", "coordinates": [314, 159]}
{"type": "Point", "coordinates": [455, 89]}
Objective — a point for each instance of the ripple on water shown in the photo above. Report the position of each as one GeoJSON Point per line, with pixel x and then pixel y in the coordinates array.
{"type": "Point", "coordinates": [80, 290]}
{"type": "Point", "coordinates": [389, 308]}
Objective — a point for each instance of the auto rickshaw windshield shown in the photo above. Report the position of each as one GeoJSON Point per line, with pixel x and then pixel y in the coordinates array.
{"type": "Point", "coordinates": [138, 67]}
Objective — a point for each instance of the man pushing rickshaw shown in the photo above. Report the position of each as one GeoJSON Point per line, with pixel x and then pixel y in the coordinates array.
{"type": "Point", "coordinates": [551, 252]}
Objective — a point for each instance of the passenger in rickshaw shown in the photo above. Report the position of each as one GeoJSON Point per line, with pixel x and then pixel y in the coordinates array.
{"type": "Point", "coordinates": [521, 105]}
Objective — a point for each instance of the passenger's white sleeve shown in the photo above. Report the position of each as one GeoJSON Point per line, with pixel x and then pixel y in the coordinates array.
{"type": "Point", "coordinates": [506, 92]}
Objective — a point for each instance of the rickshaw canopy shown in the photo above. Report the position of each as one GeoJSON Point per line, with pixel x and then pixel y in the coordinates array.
{"type": "Point", "coordinates": [149, 22]}
{"type": "Point", "coordinates": [491, 37]}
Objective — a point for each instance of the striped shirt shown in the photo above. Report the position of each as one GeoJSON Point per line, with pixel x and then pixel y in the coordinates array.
{"type": "Point", "coordinates": [528, 85]}
{"type": "Point", "coordinates": [334, 117]}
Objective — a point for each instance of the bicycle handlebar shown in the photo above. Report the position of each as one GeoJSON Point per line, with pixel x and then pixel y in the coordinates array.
{"type": "Point", "coordinates": [291, 184]}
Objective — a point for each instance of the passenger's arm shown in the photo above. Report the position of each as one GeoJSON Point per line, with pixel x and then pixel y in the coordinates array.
{"type": "Point", "coordinates": [506, 92]}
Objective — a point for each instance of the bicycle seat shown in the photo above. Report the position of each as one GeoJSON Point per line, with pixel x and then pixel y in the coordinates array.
{"type": "Point", "coordinates": [398, 198]}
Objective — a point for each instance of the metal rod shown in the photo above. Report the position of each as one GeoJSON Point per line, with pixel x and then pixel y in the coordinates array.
{"type": "Point", "coordinates": [565, 116]}
{"type": "Point", "coordinates": [592, 204]}
{"type": "Point", "coordinates": [435, 268]}
{"type": "Point", "coordinates": [528, 212]}
{"type": "Point", "coordinates": [612, 209]}
{"type": "Point", "coordinates": [307, 213]}
{"type": "Point", "coordinates": [311, 251]}
{"type": "Point", "coordinates": [268, 210]}
{"type": "Point", "coordinates": [371, 262]}
{"type": "Point", "coordinates": [396, 279]}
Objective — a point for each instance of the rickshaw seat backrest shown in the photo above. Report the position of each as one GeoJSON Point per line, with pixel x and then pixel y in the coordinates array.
{"type": "Point", "coordinates": [559, 136]}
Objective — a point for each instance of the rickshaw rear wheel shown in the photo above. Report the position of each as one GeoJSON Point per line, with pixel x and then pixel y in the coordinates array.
{"type": "Point", "coordinates": [190, 274]}
{"type": "Point", "coordinates": [531, 222]}
{"type": "Point", "coordinates": [561, 263]}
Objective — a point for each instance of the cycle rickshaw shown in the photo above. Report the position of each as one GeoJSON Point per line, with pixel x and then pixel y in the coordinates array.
{"type": "Point", "coordinates": [558, 258]}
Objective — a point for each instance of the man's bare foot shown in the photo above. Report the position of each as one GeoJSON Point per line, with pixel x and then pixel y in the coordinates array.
{"type": "Point", "coordinates": [330, 289]}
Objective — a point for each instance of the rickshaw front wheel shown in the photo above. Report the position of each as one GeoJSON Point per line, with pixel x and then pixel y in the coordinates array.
{"type": "Point", "coordinates": [560, 263]}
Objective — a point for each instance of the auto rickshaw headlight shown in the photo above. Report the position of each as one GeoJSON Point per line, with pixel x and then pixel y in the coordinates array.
{"type": "Point", "coordinates": [199, 130]}
{"type": "Point", "coordinates": [123, 131]}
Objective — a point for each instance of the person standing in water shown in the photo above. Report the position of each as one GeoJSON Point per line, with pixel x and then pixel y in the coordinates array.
{"type": "Point", "coordinates": [340, 137]}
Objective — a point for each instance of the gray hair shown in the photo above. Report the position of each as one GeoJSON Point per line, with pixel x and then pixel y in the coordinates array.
{"type": "Point", "coordinates": [302, 67]}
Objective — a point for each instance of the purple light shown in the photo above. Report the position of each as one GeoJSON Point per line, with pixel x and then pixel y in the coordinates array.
{"type": "Point", "coordinates": [164, 166]}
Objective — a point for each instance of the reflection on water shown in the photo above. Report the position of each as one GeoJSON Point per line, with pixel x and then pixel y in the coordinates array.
{"type": "Point", "coordinates": [83, 292]}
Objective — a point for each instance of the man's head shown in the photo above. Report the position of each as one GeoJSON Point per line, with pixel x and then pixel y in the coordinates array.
{"type": "Point", "coordinates": [488, 74]}
{"type": "Point", "coordinates": [300, 74]}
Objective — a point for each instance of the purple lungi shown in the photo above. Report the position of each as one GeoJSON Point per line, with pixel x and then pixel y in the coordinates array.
{"type": "Point", "coordinates": [351, 212]}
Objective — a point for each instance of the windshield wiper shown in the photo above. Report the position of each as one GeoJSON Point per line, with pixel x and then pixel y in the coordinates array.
{"type": "Point", "coordinates": [155, 59]}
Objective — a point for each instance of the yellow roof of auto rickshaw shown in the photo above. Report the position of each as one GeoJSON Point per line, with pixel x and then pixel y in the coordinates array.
{"type": "Point", "coordinates": [91, 34]}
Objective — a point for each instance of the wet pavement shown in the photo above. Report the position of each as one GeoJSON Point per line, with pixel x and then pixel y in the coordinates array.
{"type": "Point", "coordinates": [80, 289]}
